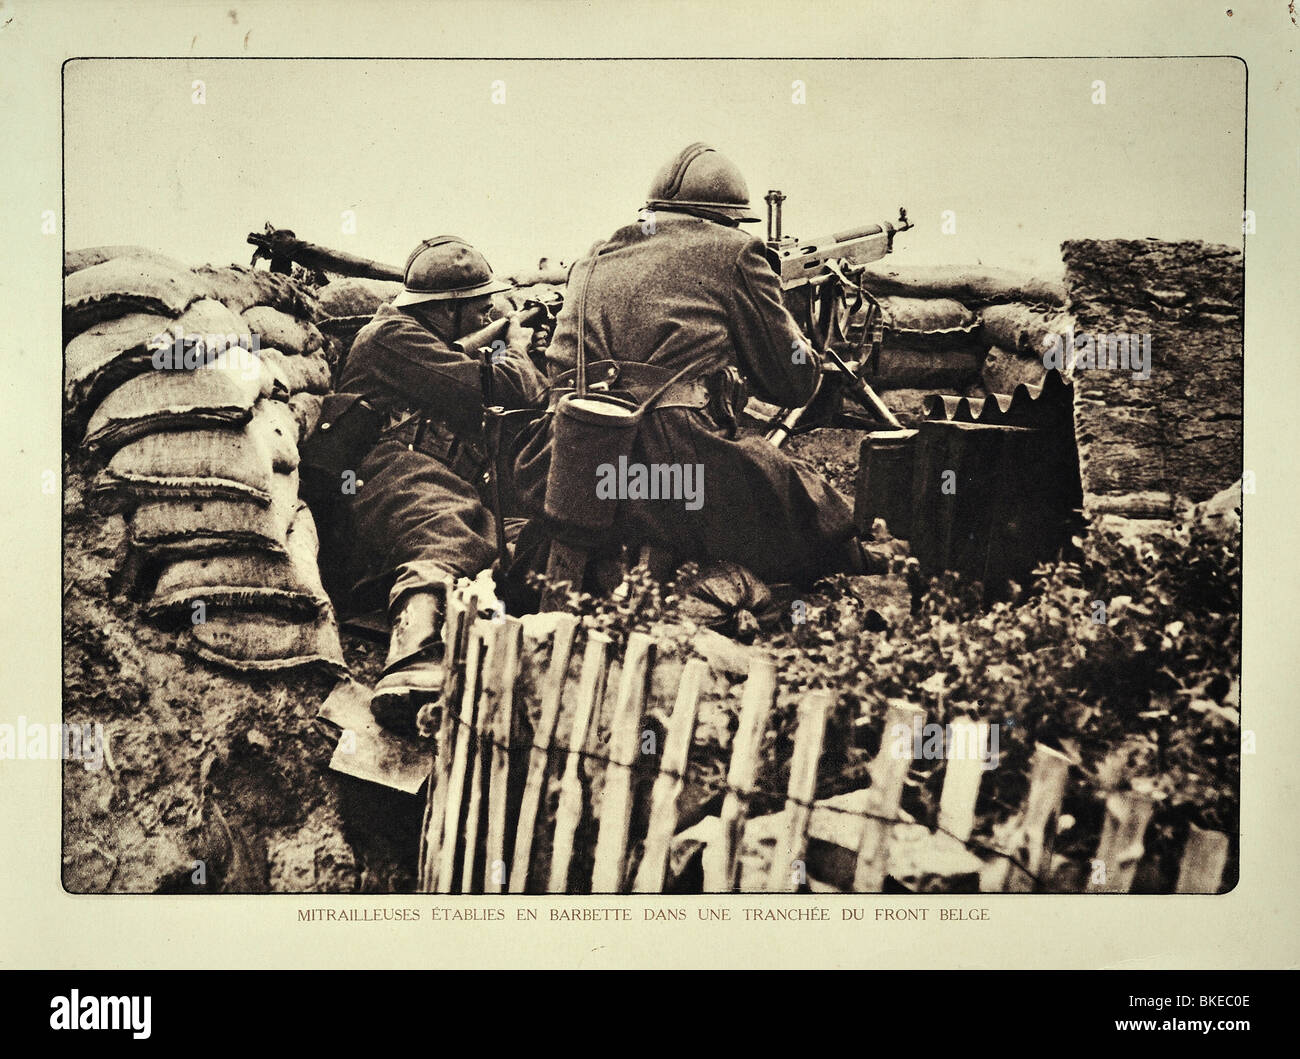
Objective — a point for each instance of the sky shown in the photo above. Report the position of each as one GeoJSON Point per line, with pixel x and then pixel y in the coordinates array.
{"type": "Point", "coordinates": [1018, 150]}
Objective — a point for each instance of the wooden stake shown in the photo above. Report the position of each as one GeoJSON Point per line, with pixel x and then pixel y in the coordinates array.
{"type": "Point", "coordinates": [454, 629]}
{"type": "Point", "coordinates": [464, 732]}
{"type": "Point", "coordinates": [669, 782]}
{"type": "Point", "coordinates": [591, 690]}
{"type": "Point", "coordinates": [755, 705]}
{"type": "Point", "coordinates": [499, 735]}
{"type": "Point", "coordinates": [788, 870]}
{"type": "Point", "coordinates": [1120, 848]}
{"type": "Point", "coordinates": [1204, 857]}
{"type": "Point", "coordinates": [489, 699]}
{"type": "Point", "coordinates": [565, 566]}
{"type": "Point", "coordinates": [616, 795]}
{"type": "Point", "coordinates": [889, 771]}
{"type": "Point", "coordinates": [962, 777]}
{"type": "Point", "coordinates": [566, 626]}
{"type": "Point", "coordinates": [1033, 836]}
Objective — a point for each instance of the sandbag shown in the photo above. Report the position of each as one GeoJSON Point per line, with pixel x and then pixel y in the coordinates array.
{"type": "Point", "coordinates": [353, 296]}
{"type": "Point", "coordinates": [926, 342]}
{"type": "Point", "coordinates": [274, 427]}
{"type": "Point", "coordinates": [126, 285]}
{"type": "Point", "coordinates": [928, 324]}
{"type": "Point", "coordinates": [279, 330]}
{"type": "Point", "coordinates": [1021, 330]}
{"type": "Point", "coordinates": [261, 642]}
{"type": "Point", "coordinates": [1002, 372]}
{"type": "Point", "coordinates": [288, 583]}
{"type": "Point", "coordinates": [306, 408]}
{"type": "Point", "coordinates": [221, 393]}
{"type": "Point", "coordinates": [232, 464]}
{"type": "Point", "coordinates": [241, 288]}
{"type": "Point", "coordinates": [200, 527]}
{"type": "Point", "coordinates": [969, 284]}
{"type": "Point", "coordinates": [308, 373]}
{"type": "Point", "coordinates": [109, 353]}
{"type": "Point", "coordinates": [76, 260]}
{"type": "Point", "coordinates": [904, 369]}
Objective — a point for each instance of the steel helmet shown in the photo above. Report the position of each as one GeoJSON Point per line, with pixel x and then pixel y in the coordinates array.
{"type": "Point", "coordinates": [447, 268]}
{"type": "Point", "coordinates": [702, 178]}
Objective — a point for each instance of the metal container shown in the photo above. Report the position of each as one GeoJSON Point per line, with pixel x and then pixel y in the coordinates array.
{"type": "Point", "coordinates": [886, 461]}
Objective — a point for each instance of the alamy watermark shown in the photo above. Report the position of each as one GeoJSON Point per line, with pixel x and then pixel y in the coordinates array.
{"type": "Point", "coordinates": [936, 742]}
{"type": "Point", "coordinates": [86, 743]}
{"type": "Point", "coordinates": [77, 1012]}
{"type": "Point", "coordinates": [655, 481]}
{"type": "Point", "coordinates": [186, 352]}
{"type": "Point", "coordinates": [1084, 352]}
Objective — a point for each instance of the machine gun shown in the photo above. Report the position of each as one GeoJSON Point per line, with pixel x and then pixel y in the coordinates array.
{"type": "Point", "coordinates": [820, 281]}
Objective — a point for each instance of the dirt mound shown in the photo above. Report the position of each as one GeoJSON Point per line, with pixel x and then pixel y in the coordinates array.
{"type": "Point", "coordinates": [212, 782]}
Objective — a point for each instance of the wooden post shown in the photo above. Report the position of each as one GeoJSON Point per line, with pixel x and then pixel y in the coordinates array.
{"type": "Point", "coordinates": [1204, 857]}
{"type": "Point", "coordinates": [435, 806]}
{"type": "Point", "coordinates": [888, 773]}
{"type": "Point", "coordinates": [566, 565]}
{"type": "Point", "coordinates": [755, 705]}
{"type": "Point", "coordinates": [499, 737]}
{"type": "Point", "coordinates": [616, 796]}
{"type": "Point", "coordinates": [464, 731]}
{"type": "Point", "coordinates": [1120, 848]}
{"type": "Point", "coordinates": [566, 627]}
{"type": "Point", "coordinates": [1034, 833]}
{"type": "Point", "coordinates": [788, 869]}
{"type": "Point", "coordinates": [591, 690]}
{"type": "Point", "coordinates": [489, 698]}
{"type": "Point", "coordinates": [962, 777]}
{"type": "Point", "coordinates": [669, 782]}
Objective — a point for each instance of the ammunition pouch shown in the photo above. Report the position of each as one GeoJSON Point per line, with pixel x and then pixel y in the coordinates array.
{"type": "Point", "coordinates": [347, 430]}
{"type": "Point", "coordinates": [431, 438]}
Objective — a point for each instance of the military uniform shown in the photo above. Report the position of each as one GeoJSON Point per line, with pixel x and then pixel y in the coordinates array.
{"type": "Point", "coordinates": [678, 293]}
{"type": "Point", "coordinates": [420, 512]}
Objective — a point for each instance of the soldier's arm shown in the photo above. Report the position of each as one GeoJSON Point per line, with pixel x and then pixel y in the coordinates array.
{"type": "Point", "coordinates": [776, 359]}
{"type": "Point", "coordinates": [446, 383]}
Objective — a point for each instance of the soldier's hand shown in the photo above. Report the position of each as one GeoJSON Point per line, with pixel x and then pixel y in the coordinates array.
{"type": "Point", "coordinates": [540, 340]}
{"type": "Point", "coordinates": [517, 335]}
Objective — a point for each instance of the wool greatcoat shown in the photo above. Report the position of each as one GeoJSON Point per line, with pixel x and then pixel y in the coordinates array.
{"type": "Point", "coordinates": [420, 512]}
{"type": "Point", "coordinates": [680, 293]}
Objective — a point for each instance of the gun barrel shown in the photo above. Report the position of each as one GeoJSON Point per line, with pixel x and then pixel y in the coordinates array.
{"type": "Point", "coordinates": [849, 234]}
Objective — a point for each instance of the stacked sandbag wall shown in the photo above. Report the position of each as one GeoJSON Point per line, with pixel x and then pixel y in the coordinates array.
{"type": "Point", "coordinates": [187, 392]}
{"type": "Point", "coordinates": [965, 330]}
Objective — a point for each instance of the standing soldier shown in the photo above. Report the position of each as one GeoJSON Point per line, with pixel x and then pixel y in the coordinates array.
{"type": "Point", "coordinates": [684, 292]}
{"type": "Point", "coordinates": [421, 509]}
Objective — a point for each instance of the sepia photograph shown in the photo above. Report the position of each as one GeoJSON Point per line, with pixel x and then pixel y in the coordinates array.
{"type": "Point", "coordinates": [663, 477]}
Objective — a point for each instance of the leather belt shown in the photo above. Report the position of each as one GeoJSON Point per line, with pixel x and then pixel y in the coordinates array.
{"type": "Point", "coordinates": [634, 381]}
{"type": "Point", "coordinates": [431, 438]}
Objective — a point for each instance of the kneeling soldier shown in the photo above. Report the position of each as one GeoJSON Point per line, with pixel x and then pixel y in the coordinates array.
{"type": "Point", "coordinates": [678, 308]}
{"type": "Point", "coordinates": [421, 508]}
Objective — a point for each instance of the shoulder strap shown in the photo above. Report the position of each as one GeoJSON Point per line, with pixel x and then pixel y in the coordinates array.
{"type": "Point", "coordinates": [580, 373]}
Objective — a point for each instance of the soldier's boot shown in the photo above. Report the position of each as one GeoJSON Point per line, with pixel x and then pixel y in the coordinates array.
{"type": "Point", "coordinates": [413, 670]}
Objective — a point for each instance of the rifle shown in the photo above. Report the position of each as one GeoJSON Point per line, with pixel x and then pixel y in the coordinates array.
{"type": "Point", "coordinates": [489, 343]}
{"type": "Point", "coordinates": [536, 313]}
{"type": "Point", "coordinates": [818, 276]}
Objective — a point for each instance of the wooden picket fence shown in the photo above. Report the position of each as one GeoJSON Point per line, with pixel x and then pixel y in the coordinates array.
{"type": "Point", "coordinates": [471, 768]}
